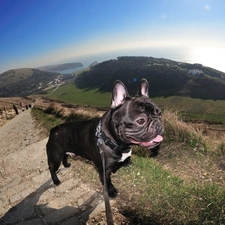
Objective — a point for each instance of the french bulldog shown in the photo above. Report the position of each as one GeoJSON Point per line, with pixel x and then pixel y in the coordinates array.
{"type": "Point", "coordinates": [130, 121]}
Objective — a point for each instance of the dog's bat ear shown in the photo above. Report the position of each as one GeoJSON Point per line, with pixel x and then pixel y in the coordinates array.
{"type": "Point", "coordinates": [119, 94]}
{"type": "Point", "coordinates": [143, 88]}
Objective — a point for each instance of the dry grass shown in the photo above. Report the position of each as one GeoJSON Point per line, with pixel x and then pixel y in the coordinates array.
{"type": "Point", "coordinates": [199, 136]}
{"type": "Point", "coordinates": [179, 131]}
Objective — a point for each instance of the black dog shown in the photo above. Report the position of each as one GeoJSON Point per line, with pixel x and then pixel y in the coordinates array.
{"type": "Point", "coordinates": [130, 121]}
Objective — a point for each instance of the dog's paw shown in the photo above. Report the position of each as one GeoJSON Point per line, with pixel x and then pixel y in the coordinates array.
{"type": "Point", "coordinates": [67, 165]}
{"type": "Point", "coordinates": [127, 162]}
{"type": "Point", "coordinates": [57, 182]}
{"type": "Point", "coordinates": [112, 192]}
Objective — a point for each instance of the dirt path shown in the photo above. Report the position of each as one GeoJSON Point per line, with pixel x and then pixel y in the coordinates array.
{"type": "Point", "coordinates": [27, 195]}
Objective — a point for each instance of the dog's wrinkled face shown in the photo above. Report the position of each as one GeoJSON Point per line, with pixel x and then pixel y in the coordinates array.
{"type": "Point", "coordinates": [136, 120]}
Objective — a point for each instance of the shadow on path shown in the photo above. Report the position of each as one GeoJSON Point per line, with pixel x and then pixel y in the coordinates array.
{"type": "Point", "coordinates": [28, 212]}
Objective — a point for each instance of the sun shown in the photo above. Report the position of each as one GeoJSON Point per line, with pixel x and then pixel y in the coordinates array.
{"type": "Point", "coordinates": [210, 56]}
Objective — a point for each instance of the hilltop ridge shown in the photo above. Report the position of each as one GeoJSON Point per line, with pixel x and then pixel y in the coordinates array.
{"type": "Point", "coordinates": [166, 77]}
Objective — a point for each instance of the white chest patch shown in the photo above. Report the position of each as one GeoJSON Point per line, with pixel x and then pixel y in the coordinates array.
{"type": "Point", "coordinates": [125, 155]}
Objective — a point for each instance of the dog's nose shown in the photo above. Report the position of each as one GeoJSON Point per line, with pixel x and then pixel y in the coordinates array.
{"type": "Point", "coordinates": [157, 125]}
{"type": "Point", "coordinates": [156, 112]}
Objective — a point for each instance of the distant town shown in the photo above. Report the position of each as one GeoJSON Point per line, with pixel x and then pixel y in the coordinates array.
{"type": "Point", "coordinates": [58, 81]}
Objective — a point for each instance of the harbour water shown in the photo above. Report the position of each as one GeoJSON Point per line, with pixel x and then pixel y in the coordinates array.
{"type": "Point", "coordinates": [71, 70]}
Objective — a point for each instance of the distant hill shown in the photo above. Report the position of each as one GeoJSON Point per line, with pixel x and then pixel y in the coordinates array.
{"type": "Point", "coordinates": [166, 77]}
{"type": "Point", "coordinates": [61, 67]}
{"type": "Point", "coordinates": [21, 82]}
{"type": "Point", "coordinates": [93, 64]}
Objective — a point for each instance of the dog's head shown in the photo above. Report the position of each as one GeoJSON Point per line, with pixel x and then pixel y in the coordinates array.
{"type": "Point", "coordinates": [135, 120]}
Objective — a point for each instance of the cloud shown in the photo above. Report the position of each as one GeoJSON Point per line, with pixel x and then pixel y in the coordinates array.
{"type": "Point", "coordinates": [207, 7]}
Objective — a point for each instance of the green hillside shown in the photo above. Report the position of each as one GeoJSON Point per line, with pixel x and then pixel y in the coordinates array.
{"type": "Point", "coordinates": [190, 108]}
{"type": "Point", "coordinates": [70, 93]}
{"type": "Point", "coordinates": [166, 77]}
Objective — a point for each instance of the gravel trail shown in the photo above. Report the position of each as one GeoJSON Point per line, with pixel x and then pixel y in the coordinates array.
{"type": "Point", "coordinates": [27, 194]}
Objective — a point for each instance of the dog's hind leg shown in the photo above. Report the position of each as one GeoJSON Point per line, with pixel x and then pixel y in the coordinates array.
{"type": "Point", "coordinates": [53, 169]}
{"type": "Point", "coordinates": [54, 162]}
{"type": "Point", "coordinates": [65, 161]}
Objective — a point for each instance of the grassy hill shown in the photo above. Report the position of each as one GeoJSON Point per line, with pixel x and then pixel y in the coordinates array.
{"type": "Point", "coordinates": [166, 77]}
{"type": "Point", "coordinates": [197, 98]}
{"type": "Point", "coordinates": [11, 77]}
{"type": "Point", "coordinates": [189, 108]}
{"type": "Point", "coordinates": [21, 82]}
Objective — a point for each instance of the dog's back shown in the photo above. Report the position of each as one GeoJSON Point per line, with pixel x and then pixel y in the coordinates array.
{"type": "Point", "coordinates": [63, 137]}
{"type": "Point", "coordinates": [76, 138]}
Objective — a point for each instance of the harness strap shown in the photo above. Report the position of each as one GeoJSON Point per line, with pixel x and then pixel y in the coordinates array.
{"type": "Point", "coordinates": [102, 137]}
{"type": "Point", "coordinates": [108, 210]}
{"type": "Point", "coordinates": [112, 144]}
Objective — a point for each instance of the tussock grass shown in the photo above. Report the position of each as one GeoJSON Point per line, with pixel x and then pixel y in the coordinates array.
{"type": "Point", "coordinates": [54, 115]}
{"type": "Point", "coordinates": [200, 137]}
{"type": "Point", "coordinates": [52, 110]}
{"type": "Point", "coordinates": [46, 120]}
{"type": "Point", "coordinates": [177, 130]}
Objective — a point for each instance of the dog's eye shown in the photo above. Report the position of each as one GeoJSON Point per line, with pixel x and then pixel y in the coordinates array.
{"type": "Point", "coordinates": [141, 121]}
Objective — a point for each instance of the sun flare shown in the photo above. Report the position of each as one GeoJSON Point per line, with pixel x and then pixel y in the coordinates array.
{"type": "Point", "coordinates": [210, 56]}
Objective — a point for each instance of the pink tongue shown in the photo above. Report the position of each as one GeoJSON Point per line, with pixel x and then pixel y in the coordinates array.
{"type": "Point", "coordinates": [159, 138]}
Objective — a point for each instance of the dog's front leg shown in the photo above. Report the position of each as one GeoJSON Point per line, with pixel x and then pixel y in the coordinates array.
{"type": "Point", "coordinates": [112, 191]}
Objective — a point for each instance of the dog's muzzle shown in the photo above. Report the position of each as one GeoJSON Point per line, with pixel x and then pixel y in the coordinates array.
{"type": "Point", "coordinates": [156, 127]}
{"type": "Point", "coordinates": [152, 137]}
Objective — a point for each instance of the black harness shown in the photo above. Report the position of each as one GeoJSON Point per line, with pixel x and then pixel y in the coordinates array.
{"type": "Point", "coordinates": [102, 137]}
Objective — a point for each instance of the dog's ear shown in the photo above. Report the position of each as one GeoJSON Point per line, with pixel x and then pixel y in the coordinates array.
{"type": "Point", "coordinates": [119, 94]}
{"type": "Point", "coordinates": [143, 88]}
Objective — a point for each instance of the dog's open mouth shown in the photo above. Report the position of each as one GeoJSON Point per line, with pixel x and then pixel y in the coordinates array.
{"type": "Point", "coordinates": [148, 144]}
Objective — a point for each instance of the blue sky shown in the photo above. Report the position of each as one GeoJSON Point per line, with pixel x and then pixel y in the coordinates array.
{"type": "Point", "coordinates": [40, 32]}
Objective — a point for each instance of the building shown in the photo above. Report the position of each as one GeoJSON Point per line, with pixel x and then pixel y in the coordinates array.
{"type": "Point", "coordinates": [195, 72]}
